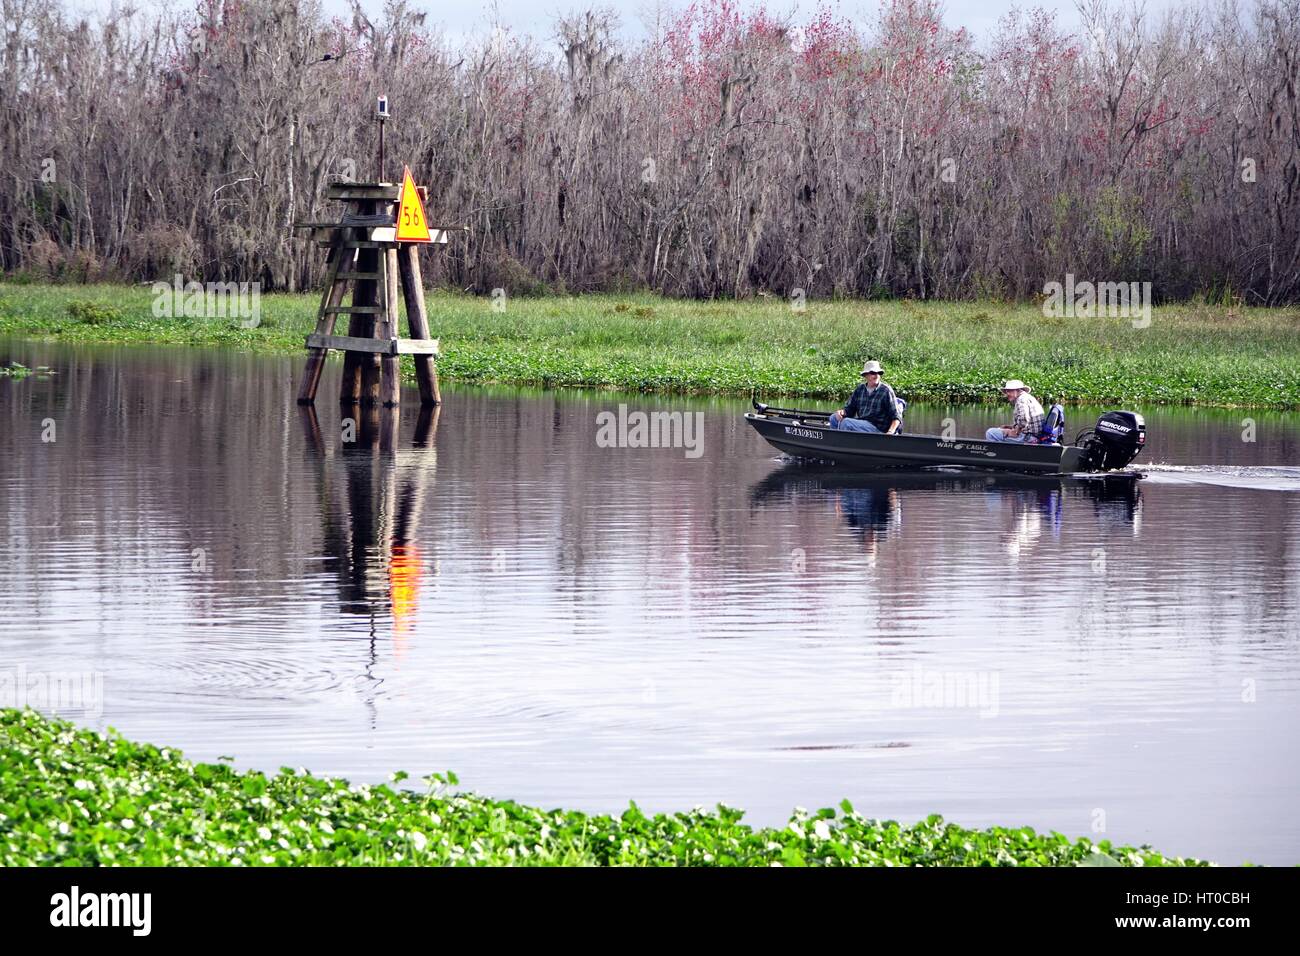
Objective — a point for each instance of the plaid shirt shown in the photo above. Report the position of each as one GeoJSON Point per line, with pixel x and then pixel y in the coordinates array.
{"type": "Point", "coordinates": [878, 407]}
{"type": "Point", "coordinates": [1028, 415]}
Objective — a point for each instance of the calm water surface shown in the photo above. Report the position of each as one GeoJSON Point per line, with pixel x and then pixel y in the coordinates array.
{"type": "Point", "coordinates": [577, 626]}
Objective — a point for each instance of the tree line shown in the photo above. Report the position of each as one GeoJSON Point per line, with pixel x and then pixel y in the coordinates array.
{"type": "Point", "coordinates": [726, 151]}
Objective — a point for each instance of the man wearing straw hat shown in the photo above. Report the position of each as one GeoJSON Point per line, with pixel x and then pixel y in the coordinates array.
{"type": "Point", "coordinates": [873, 406]}
{"type": "Point", "coordinates": [1026, 420]}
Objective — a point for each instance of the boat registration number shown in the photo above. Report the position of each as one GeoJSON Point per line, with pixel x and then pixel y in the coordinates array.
{"type": "Point", "coordinates": [802, 432]}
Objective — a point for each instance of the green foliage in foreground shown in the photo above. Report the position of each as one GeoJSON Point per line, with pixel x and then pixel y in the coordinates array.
{"type": "Point", "coordinates": [952, 351]}
{"type": "Point", "coordinates": [74, 797]}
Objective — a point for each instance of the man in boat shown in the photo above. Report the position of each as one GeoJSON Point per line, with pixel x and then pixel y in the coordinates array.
{"type": "Point", "coordinates": [873, 406]}
{"type": "Point", "coordinates": [1026, 419]}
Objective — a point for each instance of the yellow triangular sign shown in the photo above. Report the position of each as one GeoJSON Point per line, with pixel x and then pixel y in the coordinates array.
{"type": "Point", "coordinates": [412, 226]}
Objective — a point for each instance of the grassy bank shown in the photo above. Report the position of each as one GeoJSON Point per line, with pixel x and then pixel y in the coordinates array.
{"type": "Point", "coordinates": [1191, 354]}
{"type": "Point", "coordinates": [74, 797]}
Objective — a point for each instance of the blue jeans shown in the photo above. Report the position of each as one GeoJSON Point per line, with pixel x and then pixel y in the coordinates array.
{"type": "Point", "coordinates": [854, 425]}
{"type": "Point", "coordinates": [997, 434]}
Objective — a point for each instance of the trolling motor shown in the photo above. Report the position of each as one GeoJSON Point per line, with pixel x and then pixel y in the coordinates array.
{"type": "Point", "coordinates": [1115, 441]}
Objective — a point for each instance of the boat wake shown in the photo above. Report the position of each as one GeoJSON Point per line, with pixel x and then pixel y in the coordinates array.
{"type": "Point", "coordinates": [1258, 477]}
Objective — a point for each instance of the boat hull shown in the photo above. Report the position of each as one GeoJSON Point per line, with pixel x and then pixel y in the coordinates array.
{"type": "Point", "coordinates": [803, 439]}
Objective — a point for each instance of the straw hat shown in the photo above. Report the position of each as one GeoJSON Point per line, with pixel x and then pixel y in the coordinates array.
{"type": "Point", "coordinates": [872, 367]}
{"type": "Point", "coordinates": [1014, 385]}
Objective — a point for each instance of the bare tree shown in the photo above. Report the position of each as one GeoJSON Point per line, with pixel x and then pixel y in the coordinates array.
{"type": "Point", "coordinates": [728, 153]}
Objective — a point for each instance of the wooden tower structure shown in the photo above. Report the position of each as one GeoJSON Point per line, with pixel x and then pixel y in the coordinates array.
{"type": "Point", "coordinates": [373, 249]}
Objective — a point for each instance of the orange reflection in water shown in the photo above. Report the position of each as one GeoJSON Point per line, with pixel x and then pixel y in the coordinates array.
{"type": "Point", "coordinates": [404, 568]}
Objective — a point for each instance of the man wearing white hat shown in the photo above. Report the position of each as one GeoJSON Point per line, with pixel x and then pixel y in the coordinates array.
{"type": "Point", "coordinates": [873, 406]}
{"type": "Point", "coordinates": [1026, 420]}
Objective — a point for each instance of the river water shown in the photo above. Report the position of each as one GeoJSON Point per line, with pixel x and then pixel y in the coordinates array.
{"type": "Point", "coordinates": [492, 591]}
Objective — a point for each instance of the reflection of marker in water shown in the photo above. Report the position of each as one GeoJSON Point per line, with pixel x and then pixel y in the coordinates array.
{"type": "Point", "coordinates": [403, 590]}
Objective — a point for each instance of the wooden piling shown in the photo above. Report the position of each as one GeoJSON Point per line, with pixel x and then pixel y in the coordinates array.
{"type": "Point", "coordinates": [361, 371]}
{"type": "Point", "coordinates": [417, 320]}
{"type": "Point", "coordinates": [392, 384]}
{"type": "Point", "coordinates": [369, 292]}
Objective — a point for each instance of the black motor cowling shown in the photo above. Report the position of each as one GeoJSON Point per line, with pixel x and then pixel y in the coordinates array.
{"type": "Point", "coordinates": [1116, 440]}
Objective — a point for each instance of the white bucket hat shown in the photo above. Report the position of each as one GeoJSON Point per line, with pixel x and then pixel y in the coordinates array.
{"type": "Point", "coordinates": [1014, 384]}
{"type": "Point", "coordinates": [872, 367]}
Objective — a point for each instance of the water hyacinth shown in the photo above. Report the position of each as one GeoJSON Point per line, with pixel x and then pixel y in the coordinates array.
{"type": "Point", "coordinates": [1192, 353]}
{"type": "Point", "coordinates": [75, 813]}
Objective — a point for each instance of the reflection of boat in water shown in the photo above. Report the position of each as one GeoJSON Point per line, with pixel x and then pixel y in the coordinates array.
{"type": "Point", "coordinates": [871, 500]}
{"type": "Point", "coordinates": [1115, 441]}
{"type": "Point", "coordinates": [795, 478]}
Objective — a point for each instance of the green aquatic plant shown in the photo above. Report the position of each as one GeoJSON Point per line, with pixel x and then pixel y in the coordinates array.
{"type": "Point", "coordinates": [93, 313]}
{"type": "Point", "coordinates": [1193, 354]}
{"type": "Point", "coordinates": [72, 796]}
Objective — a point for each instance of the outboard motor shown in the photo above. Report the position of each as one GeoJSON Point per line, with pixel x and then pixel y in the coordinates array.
{"type": "Point", "coordinates": [1116, 440]}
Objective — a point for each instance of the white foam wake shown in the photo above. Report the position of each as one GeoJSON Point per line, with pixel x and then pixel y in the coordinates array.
{"type": "Point", "coordinates": [1259, 477]}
